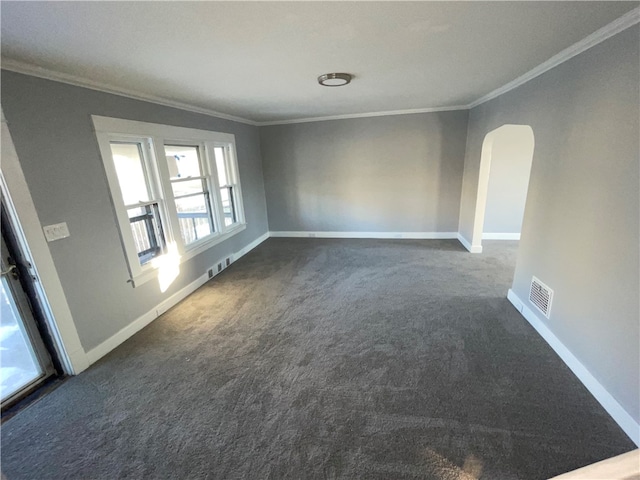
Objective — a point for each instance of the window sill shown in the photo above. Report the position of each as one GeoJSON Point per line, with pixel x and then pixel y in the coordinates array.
{"type": "Point", "coordinates": [152, 271]}
{"type": "Point", "coordinates": [206, 244]}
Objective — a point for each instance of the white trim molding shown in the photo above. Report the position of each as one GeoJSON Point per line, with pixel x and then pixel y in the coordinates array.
{"type": "Point", "coordinates": [18, 66]}
{"type": "Point", "coordinates": [625, 21]}
{"type": "Point", "coordinates": [138, 324]}
{"type": "Point", "coordinates": [500, 236]}
{"type": "Point", "coordinates": [56, 309]}
{"type": "Point", "coordinates": [152, 140]}
{"type": "Point", "coordinates": [396, 235]}
{"type": "Point", "coordinates": [467, 244]}
{"type": "Point", "coordinates": [243, 251]}
{"type": "Point", "coordinates": [608, 402]}
{"type": "Point", "coordinates": [366, 115]}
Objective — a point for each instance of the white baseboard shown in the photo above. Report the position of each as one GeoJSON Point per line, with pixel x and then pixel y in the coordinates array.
{"type": "Point", "coordinates": [466, 244]}
{"type": "Point", "coordinates": [112, 342]}
{"type": "Point", "coordinates": [251, 246]}
{"type": "Point", "coordinates": [138, 324]}
{"type": "Point", "coordinates": [610, 404]}
{"type": "Point", "coordinates": [410, 235]}
{"type": "Point", "coordinates": [501, 236]}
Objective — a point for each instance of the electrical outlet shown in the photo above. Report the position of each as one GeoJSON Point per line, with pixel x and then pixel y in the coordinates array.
{"type": "Point", "coordinates": [219, 267]}
{"type": "Point", "coordinates": [228, 261]}
{"type": "Point", "coordinates": [56, 231]}
{"type": "Point", "coordinates": [210, 272]}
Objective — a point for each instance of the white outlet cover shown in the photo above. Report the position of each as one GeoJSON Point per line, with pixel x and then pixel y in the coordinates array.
{"type": "Point", "coordinates": [56, 231]}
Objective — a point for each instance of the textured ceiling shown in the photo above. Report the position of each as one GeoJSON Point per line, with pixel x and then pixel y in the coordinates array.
{"type": "Point", "coordinates": [260, 60]}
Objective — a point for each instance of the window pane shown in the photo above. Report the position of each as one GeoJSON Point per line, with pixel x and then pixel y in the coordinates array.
{"type": "Point", "coordinates": [183, 162]}
{"type": "Point", "coordinates": [127, 158]}
{"type": "Point", "coordinates": [147, 231]}
{"type": "Point", "coordinates": [187, 188]}
{"type": "Point", "coordinates": [227, 206]}
{"type": "Point", "coordinates": [221, 166]}
{"type": "Point", "coordinates": [194, 217]}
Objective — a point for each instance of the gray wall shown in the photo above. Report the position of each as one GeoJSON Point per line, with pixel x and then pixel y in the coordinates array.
{"type": "Point", "coordinates": [381, 174]}
{"type": "Point", "coordinates": [51, 127]}
{"type": "Point", "coordinates": [511, 156]}
{"type": "Point", "coordinates": [581, 227]}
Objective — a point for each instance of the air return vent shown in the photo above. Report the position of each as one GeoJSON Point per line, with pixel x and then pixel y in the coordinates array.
{"type": "Point", "coordinates": [541, 296]}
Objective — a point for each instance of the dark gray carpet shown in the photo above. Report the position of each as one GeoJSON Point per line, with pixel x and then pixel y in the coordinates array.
{"type": "Point", "coordinates": [323, 359]}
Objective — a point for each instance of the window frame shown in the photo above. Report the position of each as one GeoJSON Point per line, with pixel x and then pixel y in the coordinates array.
{"type": "Point", "coordinates": [156, 137]}
{"type": "Point", "coordinates": [155, 194]}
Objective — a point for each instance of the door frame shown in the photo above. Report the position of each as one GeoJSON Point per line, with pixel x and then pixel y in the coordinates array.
{"type": "Point", "coordinates": [30, 237]}
{"type": "Point", "coordinates": [28, 309]}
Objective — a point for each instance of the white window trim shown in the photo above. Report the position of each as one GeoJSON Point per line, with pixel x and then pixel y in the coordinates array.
{"type": "Point", "coordinates": [136, 270]}
{"type": "Point", "coordinates": [23, 214]}
{"type": "Point", "coordinates": [107, 129]}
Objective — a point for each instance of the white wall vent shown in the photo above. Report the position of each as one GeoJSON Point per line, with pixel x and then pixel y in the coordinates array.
{"type": "Point", "coordinates": [541, 296]}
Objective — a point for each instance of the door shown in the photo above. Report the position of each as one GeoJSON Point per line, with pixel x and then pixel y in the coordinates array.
{"type": "Point", "coordinates": [25, 360]}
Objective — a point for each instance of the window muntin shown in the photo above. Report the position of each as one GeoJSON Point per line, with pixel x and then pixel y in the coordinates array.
{"type": "Point", "coordinates": [187, 187]}
{"type": "Point", "coordinates": [190, 184]}
{"type": "Point", "coordinates": [143, 210]}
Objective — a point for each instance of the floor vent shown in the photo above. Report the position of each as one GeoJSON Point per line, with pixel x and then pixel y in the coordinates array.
{"type": "Point", "coordinates": [541, 296]}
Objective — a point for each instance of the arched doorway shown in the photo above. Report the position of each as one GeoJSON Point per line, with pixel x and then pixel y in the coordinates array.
{"type": "Point", "coordinates": [505, 166]}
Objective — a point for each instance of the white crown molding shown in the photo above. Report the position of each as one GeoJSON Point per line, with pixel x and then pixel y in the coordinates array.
{"type": "Point", "coordinates": [365, 115]}
{"type": "Point", "coordinates": [627, 20]}
{"type": "Point", "coordinates": [41, 72]}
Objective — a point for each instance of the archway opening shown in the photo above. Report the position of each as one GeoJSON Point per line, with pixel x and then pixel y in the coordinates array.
{"type": "Point", "coordinates": [503, 182]}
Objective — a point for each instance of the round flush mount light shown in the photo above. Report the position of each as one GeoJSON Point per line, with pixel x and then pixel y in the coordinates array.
{"type": "Point", "coordinates": [334, 79]}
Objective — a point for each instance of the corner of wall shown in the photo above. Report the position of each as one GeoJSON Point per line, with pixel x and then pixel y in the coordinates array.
{"type": "Point", "coordinates": [262, 170]}
{"type": "Point", "coordinates": [468, 246]}
{"type": "Point", "coordinates": [464, 180]}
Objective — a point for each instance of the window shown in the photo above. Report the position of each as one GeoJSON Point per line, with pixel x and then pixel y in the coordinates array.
{"type": "Point", "coordinates": [190, 191]}
{"type": "Point", "coordinates": [141, 204]}
{"type": "Point", "coordinates": [172, 189]}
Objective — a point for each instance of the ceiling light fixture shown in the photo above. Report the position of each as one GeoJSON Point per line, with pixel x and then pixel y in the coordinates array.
{"type": "Point", "coordinates": [334, 79]}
